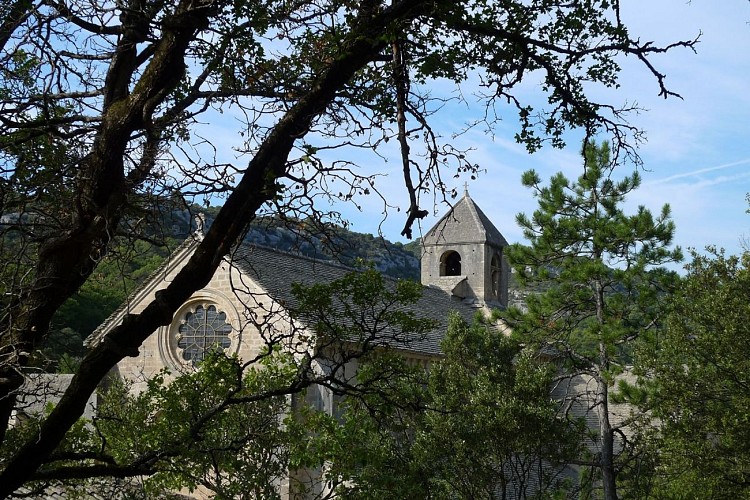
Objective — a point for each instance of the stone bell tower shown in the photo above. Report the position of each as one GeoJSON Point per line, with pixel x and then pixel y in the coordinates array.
{"type": "Point", "coordinates": [463, 255]}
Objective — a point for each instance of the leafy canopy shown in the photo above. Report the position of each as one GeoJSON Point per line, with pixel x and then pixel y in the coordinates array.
{"type": "Point", "coordinates": [700, 370]}
{"type": "Point", "coordinates": [477, 422]}
{"type": "Point", "coordinates": [593, 263]}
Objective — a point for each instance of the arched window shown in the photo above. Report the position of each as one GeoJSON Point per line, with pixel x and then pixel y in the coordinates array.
{"type": "Point", "coordinates": [450, 264]}
{"type": "Point", "coordinates": [201, 331]}
{"type": "Point", "coordinates": [495, 273]}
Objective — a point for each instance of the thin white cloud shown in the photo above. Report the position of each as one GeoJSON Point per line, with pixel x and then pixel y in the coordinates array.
{"type": "Point", "coordinates": [703, 171]}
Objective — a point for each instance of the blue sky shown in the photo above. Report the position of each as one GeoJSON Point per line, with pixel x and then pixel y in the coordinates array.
{"type": "Point", "coordinates": [697, 154]}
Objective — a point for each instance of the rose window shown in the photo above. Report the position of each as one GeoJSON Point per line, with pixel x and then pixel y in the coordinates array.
{"type": "Point", "coordinates": [202, 331]}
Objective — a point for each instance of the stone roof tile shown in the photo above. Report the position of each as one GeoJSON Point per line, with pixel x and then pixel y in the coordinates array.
{"type": "Point", "coordinates": [275, 271]}
{"type": "Point", "coordinates": [465, 223]}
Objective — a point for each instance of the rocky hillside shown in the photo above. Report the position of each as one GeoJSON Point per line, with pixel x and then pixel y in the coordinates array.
{"type": "Point", "coordinates": [344, 246]}
{"type": "Point", "coordinates": [328, 242]}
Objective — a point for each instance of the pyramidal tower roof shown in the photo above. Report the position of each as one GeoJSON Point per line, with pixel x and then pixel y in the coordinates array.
{"type": "Point", "coordinates": [465, 223]}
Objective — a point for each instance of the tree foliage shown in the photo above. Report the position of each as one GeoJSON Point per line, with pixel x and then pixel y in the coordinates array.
{"type": "Point", "coordinates": [101, 113]}
{"type": "Point", "coordinates": [237, 427]}
{"type": "Point", "coordinates": [601, 288]}
{"type": "Point", "coordinates": [699, 370]}
{"type": "Point", "coordinates": [188, 431]}
{"type": "Point", "coordinates": [478, 423]}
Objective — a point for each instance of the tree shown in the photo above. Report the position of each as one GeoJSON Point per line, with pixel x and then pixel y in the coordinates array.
{"type": "Point", "coordinates": [102, 293]}
{"type": "Point", "coordinates": [228, 425]}
{"type": "Point", "coordinates": [101, 118]}
{"type": "Point", "coordinates": [600, 290]}
{"type": "Point", "coordinates": [698, 368]}
{"type": "Point", "coordinates": [477, 424]}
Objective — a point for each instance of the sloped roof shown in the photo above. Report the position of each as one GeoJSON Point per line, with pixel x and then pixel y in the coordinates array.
{"type": "Point", "coordinates": [465, 223]}
{"type": "Point", "coordinates": [275, 271]}
{"type": "Point", "coordinates": [42, 389]}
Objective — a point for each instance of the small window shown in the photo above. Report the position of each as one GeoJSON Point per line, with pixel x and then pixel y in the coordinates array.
{"type": "Point", "coordinates": [495, 273]}
{"type": "Point", "coordinates": [450, 264]}
{"type": "Point", "coordinates": [201, 331]}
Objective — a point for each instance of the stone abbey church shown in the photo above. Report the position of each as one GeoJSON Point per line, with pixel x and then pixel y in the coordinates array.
{"type": "Point", "coordinates": [245, 305]}
{"type": "Point", "coordinates": [462, 269]}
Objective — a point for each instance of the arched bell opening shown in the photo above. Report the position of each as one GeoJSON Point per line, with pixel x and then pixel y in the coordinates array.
{"type": "Point", "coordinates": [450, 264]}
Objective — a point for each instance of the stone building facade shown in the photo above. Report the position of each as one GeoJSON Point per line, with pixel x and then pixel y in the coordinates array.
{"type": "Point", "coordinates": [246, 304]}
{"type": "Point", "coordinates": [463, 255]}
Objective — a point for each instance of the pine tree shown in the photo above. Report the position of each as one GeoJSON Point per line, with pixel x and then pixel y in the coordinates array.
{"type": "Point", "coordinates": [600, 287]}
